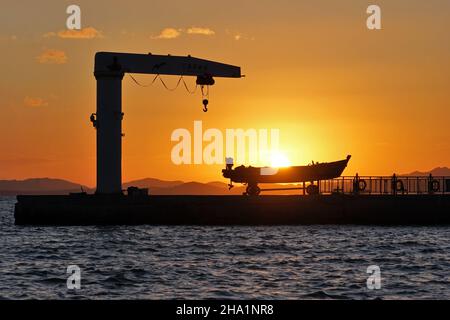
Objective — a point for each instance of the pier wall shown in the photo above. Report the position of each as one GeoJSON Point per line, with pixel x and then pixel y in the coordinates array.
{"type": "Point", "coordinates": [233, 210]}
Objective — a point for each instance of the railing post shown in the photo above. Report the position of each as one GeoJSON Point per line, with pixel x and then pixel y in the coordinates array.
{"type": "Point", "coordinates": [394, 184]}
{"type": "Point", "coordinates": [417, 185]}
{"type": "Point", "coordinates": [407, 185]}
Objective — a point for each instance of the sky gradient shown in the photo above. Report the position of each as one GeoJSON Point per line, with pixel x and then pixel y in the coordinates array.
{"type": "Point", "coordinates": [312, 69]}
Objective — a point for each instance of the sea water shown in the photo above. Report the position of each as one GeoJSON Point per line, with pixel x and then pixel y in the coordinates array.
{"type": "Point", "coordinates": [199, 262]}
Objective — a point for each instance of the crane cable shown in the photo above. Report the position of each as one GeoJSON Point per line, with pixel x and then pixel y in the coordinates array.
{"type": "Point", "coordinates": [187, 89]}
{"type": "Point", "coordinates": [205, 93]}
{"type": "Point", "coordinates": [181, 79]}
{"type": "Point", "coordinates": [143, 85]}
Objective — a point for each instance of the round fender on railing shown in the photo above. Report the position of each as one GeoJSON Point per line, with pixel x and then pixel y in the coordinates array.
{"type": "Point", "coordinates": [434, 186]}
{"type": "Point", "coordinates": [362, 185]}
{"type": "Point", "coordinates": [399, 186]}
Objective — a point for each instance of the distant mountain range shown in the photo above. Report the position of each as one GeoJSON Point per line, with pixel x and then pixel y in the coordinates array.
{"type": "Point", "coordinates": [155, 186]}
{"type": "Point", "coordinates": [159, 187]}
{"type": "Point", "coordinates": [439, 171]}
{"type": "Point", "coordinates": [39, 186]}
{"type": "Point", "coordinates": [162, 187]}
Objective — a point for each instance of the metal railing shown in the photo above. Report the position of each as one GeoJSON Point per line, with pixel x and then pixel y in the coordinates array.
{"type": "Point", "coordinates": [384, 185]}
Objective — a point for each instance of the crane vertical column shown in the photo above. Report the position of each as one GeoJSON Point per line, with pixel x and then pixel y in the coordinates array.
{"type": "Point", "coordinates": [109, 131]}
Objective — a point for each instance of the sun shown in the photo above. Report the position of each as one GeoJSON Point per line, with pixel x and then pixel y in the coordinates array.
{"type": "Point", "coordinates": [279, 160]}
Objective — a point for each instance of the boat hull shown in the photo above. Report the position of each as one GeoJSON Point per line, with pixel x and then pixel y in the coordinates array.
{"type": "Point", "coordinates": [314, 172]}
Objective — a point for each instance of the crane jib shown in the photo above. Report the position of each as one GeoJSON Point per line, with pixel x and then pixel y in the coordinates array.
{"type": "Point", "coordinates": [163, 64]}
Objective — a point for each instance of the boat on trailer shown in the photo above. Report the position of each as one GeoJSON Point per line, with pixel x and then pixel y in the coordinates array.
{"type": "Point", "coordinates": [252, 176]}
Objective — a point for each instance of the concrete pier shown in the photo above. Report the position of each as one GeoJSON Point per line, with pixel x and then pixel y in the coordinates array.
{"type": "Point", "coordinates": [233, 210]}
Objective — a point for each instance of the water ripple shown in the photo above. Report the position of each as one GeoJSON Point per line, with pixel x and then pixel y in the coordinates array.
{"type": "Point", "coordinates": [180, 262]}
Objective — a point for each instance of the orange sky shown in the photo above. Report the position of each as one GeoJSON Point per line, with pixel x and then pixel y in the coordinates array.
{"type": "Point", "coordinates": [312, 69]}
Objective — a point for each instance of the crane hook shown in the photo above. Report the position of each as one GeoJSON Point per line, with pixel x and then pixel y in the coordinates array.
{"type": "Point", "coordinates": [205, 105]}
